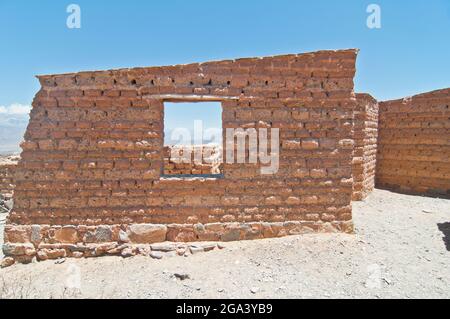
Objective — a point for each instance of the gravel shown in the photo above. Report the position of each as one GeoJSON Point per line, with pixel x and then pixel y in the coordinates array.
{"type": "Point", "coordinates": [400, 250]}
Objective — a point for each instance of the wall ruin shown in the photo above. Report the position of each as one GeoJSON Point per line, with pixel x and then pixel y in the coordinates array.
{"type": "Point", "coordinates": [7, 167]}
{"type": "Point", "coordinates": [211, 163]}
{"type": "Point", "coordinates": [90, 178]}
{"type": "Point", "coordinates": [365, 152]}
{"type": "Point", "coordinates": [414, 144]}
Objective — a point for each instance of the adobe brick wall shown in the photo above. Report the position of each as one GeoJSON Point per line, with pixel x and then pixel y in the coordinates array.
{"type": "Point", "coordinates": [210, 165]}
{"type": "Point", "coordinates": [7, 167]}
{"type": "Point", "coordinates": [414, 144]}
{"type": "Point", "coordinates": [92, 159]}
{"type": "Point", "coordinates": [365, 152]}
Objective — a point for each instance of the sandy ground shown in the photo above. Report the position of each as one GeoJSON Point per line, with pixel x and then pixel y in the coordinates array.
{"type": "Point", "coordinates": [401, 249]}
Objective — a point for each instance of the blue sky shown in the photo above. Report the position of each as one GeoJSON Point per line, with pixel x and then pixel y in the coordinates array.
{"type": "Point", "coordinates": [183, 115]}
{"type": "Point", "coordinates": [408, 55]}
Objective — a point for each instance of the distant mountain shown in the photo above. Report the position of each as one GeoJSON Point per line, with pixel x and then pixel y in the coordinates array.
{"type": "Point", "coordinates": [12, 130]}
{"type": "Point", "coordinates": [169, 141]}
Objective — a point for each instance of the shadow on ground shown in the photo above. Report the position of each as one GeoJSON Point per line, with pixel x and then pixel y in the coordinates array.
{"type": "Point", "coordinates": [445, 229]}
{"type": "Point", "coordinates": [431, 193]}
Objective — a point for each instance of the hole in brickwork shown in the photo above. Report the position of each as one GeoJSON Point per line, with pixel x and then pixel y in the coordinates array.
{"type": "Point", "coordinates": [193, 139]}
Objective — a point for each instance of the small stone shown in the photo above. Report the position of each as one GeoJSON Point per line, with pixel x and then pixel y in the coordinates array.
{"type": "Point", "coordinates": [156, 255]}
{"type": "Point", "coordinates": [209, 247]}
{"type": "Point", "coordinates": [145, 251]}
{"type": "Point", "coordinates": [10, 249]}
{"type": "Point", "coordinates": [195, 250]}
{"type": "Point", "coordinates": [127, 252]}
{"type": "Point", "coordinates": [60, 261]}
{"type": "Point", "coordinates": [181, 251]}
{"type": "Point", "coordinates": [67, 234]}
{"type": "Point", "coordinates": [103, 234]}
{"type": "Point", "coordinates": [221, 246]}
{"type": "Point", "coordinates": [232, 234]}
{"type": "Point", "coordinates": [146, 233]}
{"type": "Point", "coordinates": [77, 254]}
{"type": "Point", "coordinates": [164, 247]}
{"type": "Point", "coordinates": [123, 237]}
{"type": "Point", "coordinates": [220, 290]}
{"type": "Point", "coordinates": [181, 276]}
{"type": "Point", "coordinates": [36, 234]}
{"type": "Point", "coordinates": [117, 250]}
{"type": "Point", "coordinates": [387, 281]}
{"type": "Point", "coordinates": [6, 262]}
{"type": "Point", "coordinates": [24, 259]}
{"type": "Point", "coordinates": [254, 290]}
{"type": "Point", "coordinates": [42, 255]}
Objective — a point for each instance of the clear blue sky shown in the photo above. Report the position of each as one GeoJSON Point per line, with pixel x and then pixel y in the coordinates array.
{"type": "Point", "coordinates": [408, 55]}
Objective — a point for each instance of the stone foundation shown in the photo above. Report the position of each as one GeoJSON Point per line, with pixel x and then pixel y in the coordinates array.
{"type": "Point", "coordinates": [23, 243]}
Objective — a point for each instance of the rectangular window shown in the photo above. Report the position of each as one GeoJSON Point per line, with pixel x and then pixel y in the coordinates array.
{"type": "Point", "coordinates": [193, 139]}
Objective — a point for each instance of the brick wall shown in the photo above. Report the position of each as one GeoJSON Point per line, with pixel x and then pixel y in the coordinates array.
{"type": "Point", "coordinates": [7, 167]}
{"type": "Point", "coordinates": [365, 152]}
{"type": "Point", "coordinates": [93, 155]}
{"type": "Point", "coordinates": [414, 144]}
{"type": "Point", "coordinates": [211, 163]}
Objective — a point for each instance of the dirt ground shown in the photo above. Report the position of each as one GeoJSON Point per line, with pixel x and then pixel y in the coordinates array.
{"type": "Point", "coordinates": [401, 249]}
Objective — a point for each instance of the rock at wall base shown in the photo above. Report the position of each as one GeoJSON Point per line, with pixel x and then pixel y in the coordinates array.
{"type": "Point", "coordinates": [7, 262]}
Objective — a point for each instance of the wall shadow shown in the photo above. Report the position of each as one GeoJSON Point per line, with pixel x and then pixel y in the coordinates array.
{"type": "Point", "coordinates": [445, 229]}
{"type": "Point", "coordinates": [399, 190]}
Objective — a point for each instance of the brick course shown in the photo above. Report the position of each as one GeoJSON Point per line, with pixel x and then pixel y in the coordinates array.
{"type": "Point", "coordinates": [177, 166]}
{"type": "Point", "coordinates": [7, 168]}
{"type": "Point", "coordinates": [93, 153]}
{"type": "Point", "coordinates": [414, 144]}
{"type": "Point", "coordinates": [365, 152]}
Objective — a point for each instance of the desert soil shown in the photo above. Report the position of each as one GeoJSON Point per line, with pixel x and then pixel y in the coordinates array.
{"type": "Point", "coordinates": [401, 249]}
